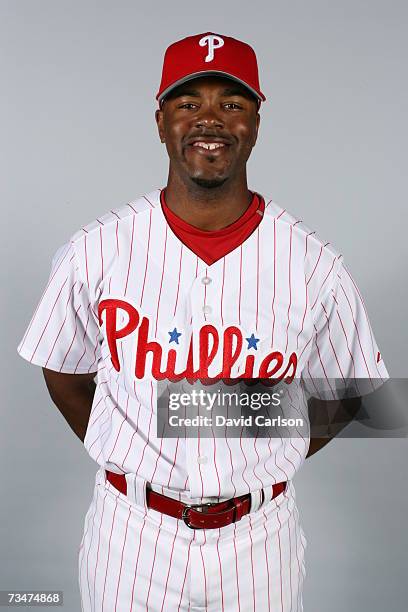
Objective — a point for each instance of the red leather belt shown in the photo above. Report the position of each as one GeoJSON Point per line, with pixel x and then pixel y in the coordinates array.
{"type": "Point", "coordinates": [196, 516]}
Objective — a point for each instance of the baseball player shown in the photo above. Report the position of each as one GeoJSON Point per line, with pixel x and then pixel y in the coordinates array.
{"type": "Point", "coordinates": [201, 279]}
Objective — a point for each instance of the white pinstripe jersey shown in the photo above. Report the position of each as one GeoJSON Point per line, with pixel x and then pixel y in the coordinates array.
{"type": "Point", "coordinates": [128, 271]}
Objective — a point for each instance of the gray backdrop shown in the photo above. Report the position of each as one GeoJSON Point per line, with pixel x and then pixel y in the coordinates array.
{"type": "Point", "coordinates": [78, 138]}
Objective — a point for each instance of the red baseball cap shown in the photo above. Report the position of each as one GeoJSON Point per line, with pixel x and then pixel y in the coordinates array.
{"type": "Point", "coordinates": [209, 54]}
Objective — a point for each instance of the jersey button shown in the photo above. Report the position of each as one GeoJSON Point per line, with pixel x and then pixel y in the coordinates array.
{"type": "Point", "coordinates": [207, 310]}
{"type": "Point", "coordinates": [202, 459]}
{"type": "Point", "coordinates": [206, 280]}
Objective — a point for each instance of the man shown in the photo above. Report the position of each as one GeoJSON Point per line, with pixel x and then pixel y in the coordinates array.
{"type": "Point", "coordinates": [202, 280]}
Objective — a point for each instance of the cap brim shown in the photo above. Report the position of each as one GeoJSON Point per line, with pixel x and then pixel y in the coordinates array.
{"type": "Point", "coordinates": [160, 97]}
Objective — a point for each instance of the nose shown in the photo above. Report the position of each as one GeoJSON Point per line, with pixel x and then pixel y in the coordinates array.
{"type": "Point", "coordinates": [208, 116]}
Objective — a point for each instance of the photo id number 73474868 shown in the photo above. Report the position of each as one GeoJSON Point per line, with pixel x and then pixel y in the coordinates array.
{"type": "Point", "coordinates": [31, 598]}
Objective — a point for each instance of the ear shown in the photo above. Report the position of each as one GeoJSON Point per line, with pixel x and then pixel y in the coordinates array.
{"type": "Point", "coordinates": [159, 120]}
{"type": "Point", "coordinates": [258, 122]}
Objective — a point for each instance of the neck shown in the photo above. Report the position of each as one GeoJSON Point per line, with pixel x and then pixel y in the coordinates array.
{"type": "Point", "coordinates": [208, 209]}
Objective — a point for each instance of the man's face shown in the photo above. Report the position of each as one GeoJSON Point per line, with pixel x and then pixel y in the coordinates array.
{"type": "Point", "coordinates": [209, 125]}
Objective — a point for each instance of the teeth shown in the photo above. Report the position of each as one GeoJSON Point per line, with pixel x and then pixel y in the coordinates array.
{"type": "Point", "coordinates": [209, 145]}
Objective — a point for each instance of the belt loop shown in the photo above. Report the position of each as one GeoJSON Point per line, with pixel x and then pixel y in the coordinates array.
{"type": "Point", "coordinates": [136, 490]}
{"type": "Point", "coordinates": [257, 498]}
{"type": "Point", "coordinates": [268, 494]}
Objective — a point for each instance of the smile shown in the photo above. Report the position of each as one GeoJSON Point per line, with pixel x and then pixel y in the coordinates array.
{"type": "Point", "coordinates": [209, 146]}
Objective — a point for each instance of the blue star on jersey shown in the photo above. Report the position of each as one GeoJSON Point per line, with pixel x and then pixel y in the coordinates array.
{"type": "Point", "coordinates": [252, 342]}
{"type": "Point", "coordinates": [174, 335]}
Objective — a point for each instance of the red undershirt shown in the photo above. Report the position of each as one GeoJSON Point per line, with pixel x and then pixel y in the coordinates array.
{"type": "Point", "coordinates": [213, 245]}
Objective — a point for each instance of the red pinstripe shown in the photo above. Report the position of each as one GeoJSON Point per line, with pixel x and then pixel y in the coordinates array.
{"type": "Point", "coordinates": [267, 559]}
{"type": "Point", "coordinates": [133, 435]}
{"type": "Point", "coordinates": [236, 565]}
{"type": "Point", "coordinates": [174, 463]}
{"type": "Point", "coordinates": [222, 289]}
{"type": "Point", "coordinates": [149, 202]}
{"type": "Point", "coordinates": [196, 274]}
{"type": "Point", "coordinates": [246, 462]}
{"type": "Point", "coordinates": [161, 281]}
{"type": "Point", "coordinates": [297, 537]}
{"type": "Point", "coordinates": [331, 344]}
{"type": "Point", "coordinates": [99, 541]}
{"type": "Point", "coordinates": [120, 429]}
{"type": "Point", "coordinates": [86, 263]}
{"type": "Point", "coordinates": [148, 435]}
{"type": "Point", "coordinates": [48, 320]}
{"type": "Point", "coordinates": [367, 319]}
{"type": "Point", "coordinates": [325, 279]}
{"type": "Point", "coordinates": [168, 571]}
{"type": "Point", "coordinates": [306, 345]}
{"type": "Point", "coordinates": [102, 434]}
{"type": "Point", "coordinates": [274, 280]}
{"type": "Point", "coordinates": [121, 559]}
{"type": "Point", "coordinates": [90, 544]}
{"type": "Point", "coordinates": [117, 238]}
{"type": "Point", "coordinates": [252, 563]}
{"type": "Point", "coordinates": [154, 561]}
{"type": "Point", "coordinates": [185, 573]}
{"type": "Point", "coordinates": [258, 462]}
{"type": "Point", "coordinates": [130, 254]}
{"type": "Point", "coordinates": [220, 567]}
{"type": "Point", "coordinates": [345, 337]}
{"type": "Point", "coordinates": [313, 382]}
{"type": "Point", "coordinates": [178, 280]}
{"type": "Point", "coordinates": [280, 559]}
{"type": "Point", "coordinates": [357, 332]}
{"type": "Point", "coordinates": [215, 462]}
{"type": "Point", "coordinates": [257, 277]}
{"type": "Point", "coordinates": [151, 479]}
{"type": "Point", "coordinates": [205, 294]}
{"type": "Point", "coordinates": [199, 465]}
{"type": "Point", "coordinates": [109, 545]}
{"type": "Point", "coordinates": [323, 368]}
{"type": "Point", "coordinates": [317, 262]}
{"type": "Point", "coordinates": [232, 467]}
{"type": "Point", "coordinates": [290, 289]}
{"type": "Point", "coordinates": [147, 258]}
{"type": "Point", "coordinates": [62, 325]}
{"type": "Point", "coordinates": [205, 576]}
{"type": "Point", "coordinates": [131, 207]}
{"type": "Point", "coordinates": [306, 297]}
{"type": "Point", "coordinates": [73, 338]}
{"type": "Point", "coordinates": [137, 562]}
{"type": "Point", "coordinates": [94, 407]}
{"type": "Point", "coordinates": [45, 291]}
{"type": "Point", "coordinates": [290, 561]}
{"type": "Point", "coordinates": [100, 237]}
{"type": "Point", "coordinates": [303, 416]}
{"type": "Point", "coordinates": [348, 348]}
{"type": "Point", "coordinates": [240, 284]}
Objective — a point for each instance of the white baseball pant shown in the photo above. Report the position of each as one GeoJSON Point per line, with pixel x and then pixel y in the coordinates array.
{"type": "Point", "coordinates": [132, 558]}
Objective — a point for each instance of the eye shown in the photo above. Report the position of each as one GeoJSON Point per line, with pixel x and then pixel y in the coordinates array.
{"type": "Point", "coordinates": [233, 105]}
{"type": "Point", "coordinates": [187, 105]}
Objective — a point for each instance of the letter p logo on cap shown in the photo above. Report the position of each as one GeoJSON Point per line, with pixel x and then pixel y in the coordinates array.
{"type": "Point", "coordinates": [213, 42]}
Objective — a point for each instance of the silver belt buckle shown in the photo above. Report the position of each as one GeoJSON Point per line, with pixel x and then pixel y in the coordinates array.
{"type": "Point", "coordinates": [198, 508]}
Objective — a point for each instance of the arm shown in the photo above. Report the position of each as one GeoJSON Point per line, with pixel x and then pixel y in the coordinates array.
{"type": "Point", "coordinates": [328, 419]}
{"type": "Point", "coordinates": [73, 395]}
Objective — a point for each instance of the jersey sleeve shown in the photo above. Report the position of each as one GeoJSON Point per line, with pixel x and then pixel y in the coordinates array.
{"type": "Point", "coordinates": [344, 360]}
{"type": "Point", "coordinates": [63, 334]}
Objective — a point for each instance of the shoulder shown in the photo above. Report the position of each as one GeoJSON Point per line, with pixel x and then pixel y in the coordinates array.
{"type": "Point", "coordinates": [311, 238]}
{"type": "Point", "coordinates": [320, 260]}
{"type": "Point", "coordinates": [121, 215]}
